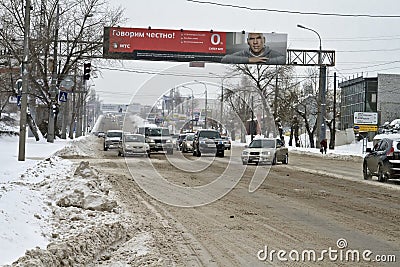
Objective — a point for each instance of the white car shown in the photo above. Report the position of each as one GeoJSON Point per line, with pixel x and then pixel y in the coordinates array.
{"type": "Point", "coordinates": [134, 144]}
{"type": "Point", "coordinates": [227, 142]}
{"type": "Point", "coordinates": [265, 150]}
{"type": "Point", "coordinates": [187, 143]}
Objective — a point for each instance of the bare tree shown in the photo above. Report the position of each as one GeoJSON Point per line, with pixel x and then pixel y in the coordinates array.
{"type": "Point", "coordinates": [78, 27]}
{"type": "Point", "coordinates": [308, 104]}
{"type": "Point", "coordinates": [238, 99]}
{"type": "Point", "coordinates": [267, 82]}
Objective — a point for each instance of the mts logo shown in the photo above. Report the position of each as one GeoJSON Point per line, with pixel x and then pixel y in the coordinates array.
{"type": "Point", "coordinates": [125, 46]}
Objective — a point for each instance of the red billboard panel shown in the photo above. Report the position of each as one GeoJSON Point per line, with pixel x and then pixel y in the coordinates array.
{"type": "Point", "coordinates": [187, 46]}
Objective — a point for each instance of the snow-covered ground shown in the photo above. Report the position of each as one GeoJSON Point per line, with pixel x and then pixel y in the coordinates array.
{"type": "Point", "coordinates": [45, 197]}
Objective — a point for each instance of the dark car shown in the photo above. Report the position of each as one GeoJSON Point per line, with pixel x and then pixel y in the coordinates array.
{"type": "Point", "coordinates": [383, 160]}
{"type": "Point", "coordinates": [208, 141]}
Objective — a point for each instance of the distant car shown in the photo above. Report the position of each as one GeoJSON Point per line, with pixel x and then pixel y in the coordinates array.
{"type": "Point", "coordinates": [187, 143]}
{"type": "Point", "coordinates": [112, 139]}
{"type": "Point", "coordinates": [174, 138]}
{"type": "Point", "coordinates": [227, 142]}
{"type": "Point", "coordinates": [101, 134]}
{"type": "Point", "coordinates": [265, 150]}
{"type": "Point", "coordinates": [159, 139]}
{"type": "Point", "coordinates": [383, 160]}
{"type": "Point", "coordinates": [180, 140]}
{"type": "Point", "coordinates": [208, 141]}
{"type": "Point", "coordinates": [133, 144]}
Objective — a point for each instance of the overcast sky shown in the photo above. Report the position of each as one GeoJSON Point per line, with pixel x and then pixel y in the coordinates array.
{"type": "Point", "coordinates": [365, 45]}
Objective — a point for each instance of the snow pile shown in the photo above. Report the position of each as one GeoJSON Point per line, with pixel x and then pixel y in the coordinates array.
{"type": "Point", "coordinates": [73, 148]}
{"type": "Point", "coordinates": [75, 251]}
{"type": "Point", "coordinates": [23, 211]}
{"type": "Point", "coordinates": [81, 217]}
{"type": "Point", "coordinates": [84, 191]}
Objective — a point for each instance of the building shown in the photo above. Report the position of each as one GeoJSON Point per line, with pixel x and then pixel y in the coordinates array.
{"type": "Point", "coordinates": [379, 94]}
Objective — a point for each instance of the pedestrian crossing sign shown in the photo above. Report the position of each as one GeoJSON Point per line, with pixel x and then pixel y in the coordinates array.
{"type": "Point", "coordinates": [62, 97]}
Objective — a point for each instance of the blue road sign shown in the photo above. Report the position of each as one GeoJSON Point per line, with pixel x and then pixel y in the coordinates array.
{"type": "Point", "coordinates": [62, 97]}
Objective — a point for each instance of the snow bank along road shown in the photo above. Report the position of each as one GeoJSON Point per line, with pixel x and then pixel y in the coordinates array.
{"type": "Point", "coordinates": [309, 211]}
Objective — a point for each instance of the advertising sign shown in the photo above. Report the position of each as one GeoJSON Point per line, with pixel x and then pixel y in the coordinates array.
{"type": "Point", "coordinates": [189, 46]}
{"type": "Point", "coordinates": [366, 118]}
{"type": "Point", "coordinates": [365, 128]}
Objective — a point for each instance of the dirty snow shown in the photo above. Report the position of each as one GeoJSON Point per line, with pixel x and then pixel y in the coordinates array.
{"type": "Point", "coordinates": [50, 209]}
{"type": "Point", "coordinates": [47, 204]}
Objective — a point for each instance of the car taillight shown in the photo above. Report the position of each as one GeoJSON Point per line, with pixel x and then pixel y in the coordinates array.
{"type": "Point", "coordinates": [390, 153]}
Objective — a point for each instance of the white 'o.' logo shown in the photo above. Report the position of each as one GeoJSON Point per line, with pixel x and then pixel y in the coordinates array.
{"type": "Point", "coordinates": [215, 39]}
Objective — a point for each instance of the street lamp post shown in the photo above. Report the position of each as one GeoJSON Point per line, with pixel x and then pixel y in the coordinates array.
{"type": "Point", "coordinates": [231, 75]}
{"type": "Point", "coordinates": [205, 116]}
{"type": "Point", "coordinates": [322, 90]}
{"type": "Point", "coordinates": [192, 103]}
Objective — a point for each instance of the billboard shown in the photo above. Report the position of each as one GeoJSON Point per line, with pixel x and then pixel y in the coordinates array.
{"type": "Point", "coordinates": [189, 46]}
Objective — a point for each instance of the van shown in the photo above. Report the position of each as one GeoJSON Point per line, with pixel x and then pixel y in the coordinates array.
{"type": "Point", "coordinates": [158, 138]}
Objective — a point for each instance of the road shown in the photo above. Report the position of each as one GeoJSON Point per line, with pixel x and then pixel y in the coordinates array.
{"type": "Point", "coordinates": [308, 205]}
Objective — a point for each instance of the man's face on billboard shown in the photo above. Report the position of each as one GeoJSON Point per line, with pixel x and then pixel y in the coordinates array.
{"type": "Point", "coordinates": [256, 42]}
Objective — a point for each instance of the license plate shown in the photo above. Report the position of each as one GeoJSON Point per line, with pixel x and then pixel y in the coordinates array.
{"type": "Point", "coordinates": [211, 145]}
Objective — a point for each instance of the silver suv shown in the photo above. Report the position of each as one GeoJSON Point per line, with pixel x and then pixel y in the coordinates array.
{"type": "Point", "coordinates": [159, 139]}
{"type": "Point", "coordinates": [112, 139]}
{"type": "Point", "coordinates": [265, 150]}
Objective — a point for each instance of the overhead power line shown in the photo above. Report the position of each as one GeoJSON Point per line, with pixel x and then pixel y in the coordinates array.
{"type": "Point", "coordinates": [368, 50]}
{"type": "Point", "coordinates": [294, 12]}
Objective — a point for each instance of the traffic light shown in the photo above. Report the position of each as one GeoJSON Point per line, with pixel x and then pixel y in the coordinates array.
{"type": "Point", "coordinates": [54, 109]}
{"type": "Point", "coordinates": [86, 70]}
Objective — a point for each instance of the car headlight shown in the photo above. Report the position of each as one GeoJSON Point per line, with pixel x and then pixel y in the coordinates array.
{"type": "Point", "coordinates": [245, 153]}
{"type": "Point", "coordinates": [127, 146]}
{"type": "Point", "coordinates": [202, 142]}
{"type": "Point", "coordinates": [168, 141]}
{"type": "Point", "coordinates": [150, 141]}
{"type": "Point", "coordinates": [146, 146]}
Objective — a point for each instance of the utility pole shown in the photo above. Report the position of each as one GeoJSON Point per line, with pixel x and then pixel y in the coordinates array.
{"type": "Point", "coordinates": [252, 119]}
{"type": "Point", "coordinates": [275, 115]}
{"type": "Point", "coordinates": [79, 122]}
{"type": "Point", "coordinates": [25, 84]}
{"type": "Point", "coordinates": [222, 105]}
{"type": "Point", "coordinates": [72, 125]}
{"type": "Point", "coordinates": [53, 87]}
{"type": "Point", "coordinates": [333, 140]}
{"type": "Point", "coordinates": [205, 116]}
